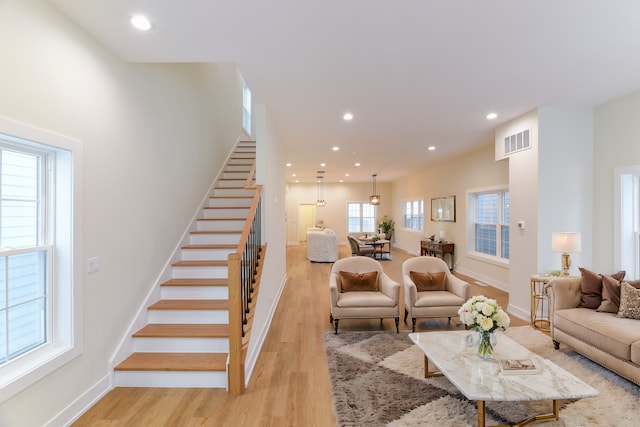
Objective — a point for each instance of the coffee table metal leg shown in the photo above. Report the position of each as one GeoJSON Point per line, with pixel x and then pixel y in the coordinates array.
{"type": "Point", "coordinates": [542, 417]}
{"type": "Point", "coordinates": [427, 373]}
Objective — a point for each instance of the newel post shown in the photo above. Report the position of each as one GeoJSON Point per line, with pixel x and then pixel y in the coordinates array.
{"type": "Point", "coordinates": [236, 365]}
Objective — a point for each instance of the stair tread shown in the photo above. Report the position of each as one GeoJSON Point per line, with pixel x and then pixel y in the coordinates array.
{"type": "Point", "coordinates": [171, 330]}
{"type": "Point", "coordinates": [217, 232]}
{"type": "Point", "coordinates": [174, 362]}
{"type": "Point", "coordinates": [219, 246]}
{"type": "Point", "coordinates": [190, 304]}
{"type": "Point", "coordinates": [222, 219]}
{"type": "Point", "coordinates": [201, 263]}
{"type": "Point", "coordinates": [231, 197]}
{"type": "Point", "coordinates": [196, 282]}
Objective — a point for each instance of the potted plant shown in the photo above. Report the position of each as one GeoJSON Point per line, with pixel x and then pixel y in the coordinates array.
{"type": "Point", "coordinates": [386, 226]}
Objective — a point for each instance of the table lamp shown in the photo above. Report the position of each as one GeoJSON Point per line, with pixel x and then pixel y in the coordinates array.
{"type": "Point", "coordinates": [566, 242]}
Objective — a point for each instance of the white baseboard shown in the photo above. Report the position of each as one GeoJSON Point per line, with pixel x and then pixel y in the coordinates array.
{"type": "Point", "coordinates": [82, 404]}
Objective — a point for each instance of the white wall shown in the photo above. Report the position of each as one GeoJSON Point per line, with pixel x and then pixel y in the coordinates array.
{"type": "Point", "coordinates": [270, 174]}
{"type": "Point", "coordinates": [467, 172]}
{"type": "Point", "coordinates": [151, 149]}
{"type": "Point", "coordinates": [550, 188]}
{"type": "Point", "coordinates": [616, 145]}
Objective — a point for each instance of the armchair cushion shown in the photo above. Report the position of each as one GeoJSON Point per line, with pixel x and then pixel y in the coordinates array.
{"type": "Point", "coordinates": [352, 282]}
{"type": "Point", "coordinates": [429, 281]}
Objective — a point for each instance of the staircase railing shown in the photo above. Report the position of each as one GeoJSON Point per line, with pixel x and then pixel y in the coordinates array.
{"type": "Point", "coordinates": [243, 265]}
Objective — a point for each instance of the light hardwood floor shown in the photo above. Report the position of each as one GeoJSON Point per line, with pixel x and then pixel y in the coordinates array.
{"type": "Point", "coordinates": [290, 384]}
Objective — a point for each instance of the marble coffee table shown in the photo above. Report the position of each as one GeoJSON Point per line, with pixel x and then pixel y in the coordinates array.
{"type": "Point", "coordinates": [482, 380]}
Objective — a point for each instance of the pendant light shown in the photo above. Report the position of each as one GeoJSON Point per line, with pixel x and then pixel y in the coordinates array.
{"type": "Point", "coordinates": [374, 199]}
{"type": "Point", "coordinates": [320, 203]}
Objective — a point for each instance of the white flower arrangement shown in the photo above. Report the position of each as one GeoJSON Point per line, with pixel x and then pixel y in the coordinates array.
{"type": "Point", "coordinates": [483, 314]}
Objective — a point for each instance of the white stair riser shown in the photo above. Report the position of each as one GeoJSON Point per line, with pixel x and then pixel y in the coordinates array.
{"type": "Point", "coordinates": [238, 168]}
{"type": "Point", "coordinates": [189, 316]}
{"type": "Point", "coordinates": [220, 225]}
{"type": "Point", "coordinates": [226, 213]}
{"type": "Point", "coordinates": [194, 292]}
{"type": "Point", "coordinates": [199, 272]}
{"type": "Point", "coordinates": [233, 192]}
{"type": "Point", "coordinates": [206, 254]}
{"type": "Point", "coordinates": [235, 174]}
{"type": "Point", "coordinates": [230, 201]}
{"type": "Point", "coordinates": [182, 345]}
{"type": "Point", "coordinates": [233, 183]}
{"type": "Point", "coordinates": [170, 379]}
{"type": "Point", "coordinates": [214, 239]}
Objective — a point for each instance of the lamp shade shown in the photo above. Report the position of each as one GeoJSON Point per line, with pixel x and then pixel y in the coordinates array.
{"type": "Point", "coordinates": [566, 242]}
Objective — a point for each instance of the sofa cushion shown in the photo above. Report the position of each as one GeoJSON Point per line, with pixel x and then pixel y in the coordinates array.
{"type": "Point", "coordinates": [610, 295]}
{"type": "Point", "coordinates": [629, 302]}
{"type": "Point", "coordinates": [591, 287]}
{"type": "Point", "coordinates": [605, 331]}
{"type": "Point", "coordinates": [354, 282]}
{"type": "Point", "coordinates": [429, 281]}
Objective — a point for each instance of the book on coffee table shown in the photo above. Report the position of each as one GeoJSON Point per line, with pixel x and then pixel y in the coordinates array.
{"type": "Point", "coordinates": [518, 366]}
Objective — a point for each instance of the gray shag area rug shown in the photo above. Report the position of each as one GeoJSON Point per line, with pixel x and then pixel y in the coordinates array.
{"type": "Point", "coordinates": [378, 380]}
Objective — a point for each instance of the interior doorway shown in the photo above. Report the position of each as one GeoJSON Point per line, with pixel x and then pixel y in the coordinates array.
{"type": "Point", "coordinates": [306, 219]}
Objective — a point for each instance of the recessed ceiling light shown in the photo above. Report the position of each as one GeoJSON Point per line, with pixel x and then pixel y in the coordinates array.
{"type": "Point", "coordinates": [431, 148]}
{"type": "Point", "coordinates": [492, 116]}
{"type": "Point", "coordinates": [357, 164]}
{"type": "Point", "coordinates": [288, 165]}
{"type": "Point", "coordinates": [323, 164]}
{"type": "Point", "coordinates": [141, 22]}
{"type": "Point", "coordinates": [346, 174]}
{"type": "Point", "coordinates": [348, 116]}
{"type": "Point", "coordinates": [342, 180]}
{"type": "Point", "coordinates": [293, 174]}
{"type": "Point", "coordinates": [336, 148]}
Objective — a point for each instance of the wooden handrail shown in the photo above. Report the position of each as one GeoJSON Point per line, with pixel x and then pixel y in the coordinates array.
{"type": "Point", "coordinates": [242, 269]}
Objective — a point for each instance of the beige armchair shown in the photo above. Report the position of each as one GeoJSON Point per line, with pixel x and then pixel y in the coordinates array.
{"type": "Point", "coordinates": [437, 293]}
{"type": "Point", "coordinates": [357, 249]}
{"type": "Point", "coordinates": [360, 289]}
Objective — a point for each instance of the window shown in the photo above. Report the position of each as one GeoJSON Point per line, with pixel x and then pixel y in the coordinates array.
{"type": "Point", "coordinates": [413, 214]}
{"type": "Point", "coordinates": [40, 315]}
{"type": "Point", "coordinates": [627, 220]}
{"type": "Point", "coordinates": [490, 224]}
{"type": "Point", "coordinates": [24, 254]}
{"type": "Point", "coordinates": [246, 108]}
{"type": "Point", "coordinates": [361, 217]}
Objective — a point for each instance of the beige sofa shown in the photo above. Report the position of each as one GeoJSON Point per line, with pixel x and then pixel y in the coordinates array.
{"type": "Point", "coordinates": [605, 338]}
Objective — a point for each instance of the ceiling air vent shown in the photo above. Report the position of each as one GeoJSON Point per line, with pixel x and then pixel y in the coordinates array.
{"type": "Point", "coordinates": [517, 142]}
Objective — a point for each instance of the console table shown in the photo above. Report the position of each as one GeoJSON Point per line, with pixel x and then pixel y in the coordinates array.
{"type": "Point", "coordinates": [428, 247]}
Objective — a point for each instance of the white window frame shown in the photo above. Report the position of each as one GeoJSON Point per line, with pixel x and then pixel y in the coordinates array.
{"type": "Point", "coordinates": [471, 222]}
{"type": "Point", "coordinates": [375, 220]}
{"type": "Point", "coordinates": [626, 221]}
{"type": "Point", "coordinates": [246, 108]}
{"type": "Point", "coordinates": [64, 329]}
{"type": "Point", "coordinates": [410, 215]}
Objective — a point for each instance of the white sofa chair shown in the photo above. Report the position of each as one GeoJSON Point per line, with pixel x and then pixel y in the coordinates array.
{"type": "Point", "coordinates": [432, 303]}
{"type": "Point", "coordinates": [322, 246]}
{"type": "Point", "coordinates": [381, 301]}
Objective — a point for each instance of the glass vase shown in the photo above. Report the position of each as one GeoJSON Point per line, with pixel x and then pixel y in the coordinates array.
{"type": "Point", "coordinates": [486, 344]}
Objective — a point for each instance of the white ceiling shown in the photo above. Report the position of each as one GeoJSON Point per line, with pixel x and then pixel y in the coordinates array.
{"type": "Point", "coordinates": [414, 73]}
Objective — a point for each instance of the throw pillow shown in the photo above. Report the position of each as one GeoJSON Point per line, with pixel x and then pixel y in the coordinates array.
{"type": "Point", "coordinates": [353, 282]}
{"type": "Point", "coordinates": [610, 295]}
{"type": "Point", "coordinates": [429, 281]}
{"type": "Point", "coordinates": [629, 302]}
{"type": "Point", "coordinates": [591, 287]}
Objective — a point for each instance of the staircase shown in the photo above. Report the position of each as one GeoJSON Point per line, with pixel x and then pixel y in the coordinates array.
{"type": "Point", "coordinates": [186, 340]}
